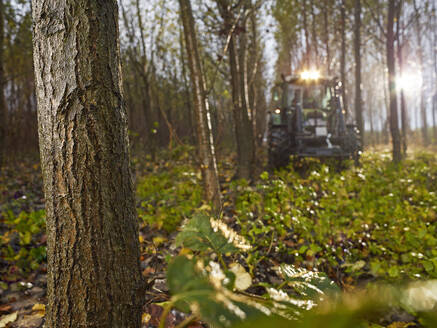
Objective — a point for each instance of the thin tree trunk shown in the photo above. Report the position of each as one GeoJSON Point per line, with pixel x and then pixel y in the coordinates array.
{"type": "Point", "coordinates": [419, 53]}
{"type": "Point", "coordinates": [248, 160]}
{"type": "Point", "coordinates": [254, 68]}
{"type": "Point", "coordinates": [307, 59]}
{"type": "Point", "coordinates": [187, 98]}
{"type": "Point", "coordinates": [94, 277]}
{"type": "Point", "coordinates": [243, 129]}
{"type": "Point", "coordinates": [434, 58]}
{"type": "Point", "coordinates": [434, 109]}
{"type": "Point", "coordinates": [386, 124]}
{"type": "Point", "coordinates": [328, 51]}
{"type": "Point", "coordinates": [372, 128]}
{"type": "Point", "coordinates": [314, 34]}
{"type": "Point", "coordinates": [2, 85]}
{"type": "Point", "coordinates": [243, 125]}
{"type": "Point", "coordinates": [394, 128]}
{"type": "Point", "coordinates": [343, 55]}
{"type": "Point", "coordinates": [144, 73]}
{"type": "Point", "coordinates": [357, 52]}
{"type": "Point", "coordinates": [143, 70]}
{"type": "Point", "coordinates": [201, 109]}
{"type": "Point", "coordinates": [404, 123]}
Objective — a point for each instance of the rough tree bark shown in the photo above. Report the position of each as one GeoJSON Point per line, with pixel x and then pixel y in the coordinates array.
{"type": "Point", "coordinates": [357, 53]}
{"type": "Point", "coordinates": [2, 84]}
{"type": "Point", "coordinates": [394, 125]}
{"type": "Point", "coordinates": [94, 277]}
{"type": "Point", "coordinates": [201, 109]}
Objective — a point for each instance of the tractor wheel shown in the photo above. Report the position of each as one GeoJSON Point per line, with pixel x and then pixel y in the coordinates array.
{"type": "Point", "coordinates": [354, 144]}
{"type": "Point", "coordinates": [278, 148]}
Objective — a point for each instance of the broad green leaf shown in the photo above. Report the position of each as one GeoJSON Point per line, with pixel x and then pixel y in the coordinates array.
{"type": "Point", "coordinates": [309, 284]}
{"type": "Point", "coordinates": [193, 289]}
{"type": "Point", "coordinates": [202, 233]}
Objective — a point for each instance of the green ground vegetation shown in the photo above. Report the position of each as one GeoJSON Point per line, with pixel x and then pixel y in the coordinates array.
{"type": "Point", "coordinates": [280, 242]}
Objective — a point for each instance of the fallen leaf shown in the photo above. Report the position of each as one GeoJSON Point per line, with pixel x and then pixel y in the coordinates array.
{"type": "Point", "coordinates": [39, 307]}
{"type": "Point", "coordinates": [39, 310]}
{"type": "Point", "coordinates": [159, 240]}
{"type": "Point", "coordinates": [145, 318]}
{"type": "Point", "coordinates": [5, 308]}
{"type": "Point", "coordinates": [7, 319]}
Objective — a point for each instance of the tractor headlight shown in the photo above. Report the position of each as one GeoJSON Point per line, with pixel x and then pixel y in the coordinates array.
{"type": "Point", "coordinates": [310, 75]}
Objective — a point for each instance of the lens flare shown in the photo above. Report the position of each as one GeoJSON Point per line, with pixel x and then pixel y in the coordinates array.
{"type": "Point", "coordinates": [310, 75]}
{"type": "Point", "coordinates": [409, 81]}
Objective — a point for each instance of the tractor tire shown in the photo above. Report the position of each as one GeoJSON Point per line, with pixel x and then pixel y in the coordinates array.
{"type": "Point", "coordinates": [354, 144]}
{"type": "Point", "coordinates": [278, 148]}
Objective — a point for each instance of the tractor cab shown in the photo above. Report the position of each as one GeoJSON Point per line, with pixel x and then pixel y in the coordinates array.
{"type": "Point", "coordinates": [307, 120]}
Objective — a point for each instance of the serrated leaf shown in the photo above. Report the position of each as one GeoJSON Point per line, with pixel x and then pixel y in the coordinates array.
{"type": "Point", "coordinates": [309, 284]}
{"type": "Point", "coordinates": [199, 235]}
{"type": "Point", "coordinates": [192, 291]}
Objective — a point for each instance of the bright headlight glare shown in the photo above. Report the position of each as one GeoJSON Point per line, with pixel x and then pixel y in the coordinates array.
{"type": "Point", "coordinates": [277, 111]}
{"type": "Point", "coordinates": [310, 75]}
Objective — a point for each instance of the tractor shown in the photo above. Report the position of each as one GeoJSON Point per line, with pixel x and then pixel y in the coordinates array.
{"type": "Point", "coordinates": [308, 120]}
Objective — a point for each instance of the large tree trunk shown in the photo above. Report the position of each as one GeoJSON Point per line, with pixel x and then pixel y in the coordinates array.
{"type": "Point", "coordinates": [2, 85]}
{"type": "Point", "coordinates": [357, 52]}
{"type": "Point", "coordinates": [394, 126]}
{"type": "Point", "coordinates": [94, 277]}
{"type": "Point", "coordinates": [201, 109]}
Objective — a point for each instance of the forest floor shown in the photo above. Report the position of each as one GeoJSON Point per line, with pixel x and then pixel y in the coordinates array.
{"type": "Point", "coordinates": [359, 225]}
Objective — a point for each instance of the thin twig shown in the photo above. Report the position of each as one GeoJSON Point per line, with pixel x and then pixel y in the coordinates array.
{"type": "Point", "coordinates": [186, 321]}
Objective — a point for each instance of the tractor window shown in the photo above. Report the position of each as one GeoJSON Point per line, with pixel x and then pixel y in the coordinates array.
{"type": "Point", "coordinates": [317, 97]}
{"type": "Point", "coordinates": [312, 97]}
{"type": "Point", "coordinates": [326, 101]}
{"type": "Point", "coordinates": [276, 97]}
{"type": "Point", "coordinates": [292, 96]}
